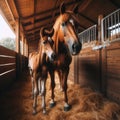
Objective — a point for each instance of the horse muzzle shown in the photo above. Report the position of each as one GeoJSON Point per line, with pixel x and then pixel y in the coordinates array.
{"type": "Point", "coordinates": [76, 47]}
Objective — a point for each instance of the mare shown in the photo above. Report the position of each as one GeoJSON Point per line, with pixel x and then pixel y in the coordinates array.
{"type": "Point", "coordinates": [38, 66]}
{"type": "Point", "coordinates": [66, 44]}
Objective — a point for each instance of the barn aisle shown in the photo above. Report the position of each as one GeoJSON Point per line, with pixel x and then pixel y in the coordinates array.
{"type": "Point", "coordinates": [16, 104]}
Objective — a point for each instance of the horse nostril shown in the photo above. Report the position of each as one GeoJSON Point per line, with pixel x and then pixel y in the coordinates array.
{"type": "Point", "coordinates": [53, 56]}
{"type": "Point", "coordinates": [74, 46]}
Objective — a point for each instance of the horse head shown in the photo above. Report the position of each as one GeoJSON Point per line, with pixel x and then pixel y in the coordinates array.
{"type": "Point", "coordinates": [47, 43]}
{"type": "Point", "coordinates": [66, 29]}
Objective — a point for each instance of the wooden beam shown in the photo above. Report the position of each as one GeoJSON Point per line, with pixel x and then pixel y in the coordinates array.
{"type": "Point", "coordinates": [41, 19]}
{"type": "Point", "coordinates": [115, 3]}
{"type": "Point", "coordinates": [13, 9]}
{"type": "Point", "coordinates": [89, 19]}
{"type": "Point", "coordinates": [47, 11]}
{"type": "Point", "coordinates": [84, 5]}
{"type": "Point", "coordinates": [18, 35]}
{"type": "Point", "coordinates": [38, 28]}
{"type": "Point", "coordinates": [14, 12]}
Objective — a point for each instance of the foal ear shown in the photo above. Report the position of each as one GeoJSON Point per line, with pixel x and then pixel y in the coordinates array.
{"type": "Point", "coordinates": [62, 8]}
{"type": "Point", "coordinates": [76, 9]}
{"type": "Point", "coordinates": [42, 32]}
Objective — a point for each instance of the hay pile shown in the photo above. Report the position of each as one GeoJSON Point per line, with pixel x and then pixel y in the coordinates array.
{"type": "Point", "coordinates": [86, 104]}
{"type": "Point", "coordinates": [91, 102]}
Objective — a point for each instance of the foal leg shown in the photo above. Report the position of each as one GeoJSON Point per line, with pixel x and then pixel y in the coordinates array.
{"type": "Point", "coordinates": [43, 94]}
{"type": "Point", "coordinates": [32, 82]}
{"type": "Point", "coordinates": [35, 94]}
{"type": "Point", "coordinates": [52, 102]}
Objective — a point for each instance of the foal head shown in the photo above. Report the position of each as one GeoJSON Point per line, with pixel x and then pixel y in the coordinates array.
{"type": "Point", "coordinates": [66, 30]}
{"type": "Point", "coordinates": [47, 43]}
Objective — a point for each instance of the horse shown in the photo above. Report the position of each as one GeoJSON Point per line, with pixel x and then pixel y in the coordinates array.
{"type": "Point", "coordinates": [66, 44]}
{"type": "Point", "coordinates": [38, 66]}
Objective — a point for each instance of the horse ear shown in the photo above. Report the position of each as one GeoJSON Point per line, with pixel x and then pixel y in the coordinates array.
{"type": "Point", "coordinates": [76, 8]}
{"type": "Point", "coordinates": [51, 32]}
{"type": "Point", "coordinates": [62, 8]}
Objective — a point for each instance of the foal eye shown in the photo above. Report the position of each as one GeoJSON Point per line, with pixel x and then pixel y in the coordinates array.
{"type": "Point", "coordinates": [44, 42]}
{"type": "Point", "coordinates": [63, 24]}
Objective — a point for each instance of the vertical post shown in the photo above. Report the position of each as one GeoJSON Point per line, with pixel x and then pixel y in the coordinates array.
{"type": "Point", "coordinates": [18, 35]}
{"type": "Point", "coordinates": [22, 44]}
{"type": "Point", "coordinates": [17, 47]}
{"type": "Point", "coordinates": [100, 30]}
{"type": "Point", "coordinates": [26, 50]}
{"type": "Point", "coordinates": [102, 56]}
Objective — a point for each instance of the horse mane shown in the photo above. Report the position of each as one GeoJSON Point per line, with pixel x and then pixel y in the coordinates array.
{"type": "Point", "coordinates": [62, 17]}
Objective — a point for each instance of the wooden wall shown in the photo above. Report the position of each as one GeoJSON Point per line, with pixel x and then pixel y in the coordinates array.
{"type": "Point", "coordinates": [100, 69]}
{"type": "Point", "coordinates": [33, 46]}
{"type": "Point", "coordinates": [7, 66]}
{"type": "Point", "coordinates": [87, 68]}
{"type": "Point", "coordinates": [111, 71]}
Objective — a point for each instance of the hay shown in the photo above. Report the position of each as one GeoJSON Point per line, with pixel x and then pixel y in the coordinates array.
{"type": "Point", "coordinates": [86, 104]}
{"type": "Point", "coordinates": [111, 111]}
{"type": "Point", "coordinates": [91, 102]}
{"type": "Point", "coordinates": [57, 115]}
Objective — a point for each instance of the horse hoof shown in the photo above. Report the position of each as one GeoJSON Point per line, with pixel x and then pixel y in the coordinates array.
{"type": "Point", "coordinates": [44, 111]}
{"type": "Point", "coordinates": [52, 104]}
{"type": "Point", "coordinates": [67, 108]}
{"type": "Point", "coordinates": [34, 112]}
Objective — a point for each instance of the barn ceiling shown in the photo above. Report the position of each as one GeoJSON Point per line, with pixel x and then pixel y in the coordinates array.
{"type": "Point", "coordinates": [34, 14]}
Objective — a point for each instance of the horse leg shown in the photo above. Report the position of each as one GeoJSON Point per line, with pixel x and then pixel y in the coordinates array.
{"type": "Point", "coordinates": [39, 86]}
{"type": "Point", "coordinates": [67, 107]}
{"type": "Point", "coordinates": [43, 93]}
{"type": "Point", "coordinates": [60, 80]}
{"type": "Point", "coordinates": [35, 93]}
{"type": "Point", "coordinates": [52, 102]}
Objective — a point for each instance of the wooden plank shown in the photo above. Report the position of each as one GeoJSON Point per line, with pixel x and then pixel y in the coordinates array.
{"type": "Point", "coordinates": [104, 71]}
{"type": "Point", "coordinates": [113, 71]}
{"type": "Point", "coordinates": [6, 51]}
{"type": "Point", "coordinates": [115, 45]}
{"type": "Point", "coordinates": [5, 60]}
{"type": "Point", "coordinates": [113, 66]}
{"type": "Point", "coordinates": [7, 79]}
{"type": "Point", "coordinates": [7, 68]}
{"type": "Point", "coordinates": [113, 53]}
{"type": "Point", "coordinates": [114, 76]}
{"type": "Point", "coordinates": [113, 85]}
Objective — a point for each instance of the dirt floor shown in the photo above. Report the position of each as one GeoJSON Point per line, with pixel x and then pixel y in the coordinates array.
{"type": "Point", "coordinates": [16, 104]}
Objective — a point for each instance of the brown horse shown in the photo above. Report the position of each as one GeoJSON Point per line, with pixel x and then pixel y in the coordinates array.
{"type": "Point", "coordinates": [66, 43]}
{"type": "Point", "coordinates": [38, 66]}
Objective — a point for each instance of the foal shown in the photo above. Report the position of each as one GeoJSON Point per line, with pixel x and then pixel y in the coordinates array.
{"type": "Point", "coordinates": [38, 66]}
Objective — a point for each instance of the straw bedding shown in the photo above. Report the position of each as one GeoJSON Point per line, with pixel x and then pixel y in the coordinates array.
{"type": "Point", "coordinates": [87, 104]}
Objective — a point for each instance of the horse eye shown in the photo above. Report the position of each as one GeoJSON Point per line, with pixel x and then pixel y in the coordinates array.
{"type": "Point", "coordinates": [52, 41]}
